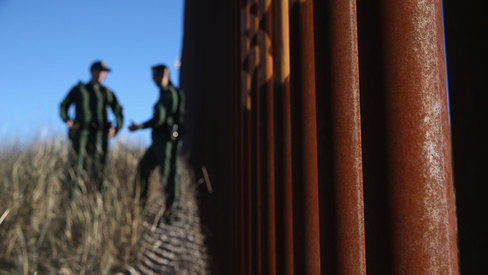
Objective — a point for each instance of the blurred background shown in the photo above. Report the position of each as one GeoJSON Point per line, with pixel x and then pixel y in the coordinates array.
{"type": "Point", "coordinates": [47, 47]}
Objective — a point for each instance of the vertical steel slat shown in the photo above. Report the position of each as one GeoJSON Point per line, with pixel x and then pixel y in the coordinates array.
{"type": "Point", "coordinates": [255, 140]}
{"type": "Point", "coordinates": [244, 85]}
{"type": "Point", "coordinates": [237, 132]}
{"type": "Point", "coordinates": [339, 124]}
{"type": "Point", "coordinates": [267, 137]}
{"type": "Point", "coordinates": [304, 139]}
{"type": "Point", "coordinates": [418, 139]}
{"type": "Point", "coordinates": [282, 137]}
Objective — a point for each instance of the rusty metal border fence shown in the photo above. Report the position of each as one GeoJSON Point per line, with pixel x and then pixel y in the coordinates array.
{"type": "Point", "coordinates": [325, 131]}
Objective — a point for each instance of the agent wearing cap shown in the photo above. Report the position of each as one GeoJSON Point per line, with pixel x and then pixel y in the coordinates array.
{"type": "Point", "coordinates": [90, 129]}
{"type": "Point", "coordinates": [166, 133]}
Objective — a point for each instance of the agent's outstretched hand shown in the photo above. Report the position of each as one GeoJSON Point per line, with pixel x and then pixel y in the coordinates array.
{"type": "Point", "coordinates": [134, 127]}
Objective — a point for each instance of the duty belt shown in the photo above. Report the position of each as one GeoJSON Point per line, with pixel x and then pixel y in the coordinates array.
{"type": "Point", "coordinates": [94, 126]}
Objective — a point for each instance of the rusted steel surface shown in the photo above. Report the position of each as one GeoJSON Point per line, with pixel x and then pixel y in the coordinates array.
{"type": "Point", "coordinates": [236, 134]}
{"type": "Point", "coordinates": [304, 141]}
{"type": "Point", "coordinates": [243, 109]}
{"type": "Point", "coordinates": [282, 138]}
{"type": "Point", "coordinates": [339, 134]}
{"type": "Point", "coordinates": [250, 241]}
{"type": "Point", "coordinates": [289, 163]}
{"type": "Point", "coordinates": [267, 137]}
{"type": "Point", "coordinates": [251, 233]}
{"type": "Point", "coordinates": [198, 80]}
{"type": "Point", "coordinates": [256, 148]}
{"type": "Point", "coordinates": [418, 141]}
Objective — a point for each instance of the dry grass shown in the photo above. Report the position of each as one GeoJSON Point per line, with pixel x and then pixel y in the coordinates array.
{"type": "Point", "coordinates": [43, 231]}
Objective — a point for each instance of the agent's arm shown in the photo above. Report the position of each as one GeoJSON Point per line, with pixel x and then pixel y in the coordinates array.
{"type": "Point", "coordinates": [64, 106]}
{"type": "Point", "coordinates": [119, 117]}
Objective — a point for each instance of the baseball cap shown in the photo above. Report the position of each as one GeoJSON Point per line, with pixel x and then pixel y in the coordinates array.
{"type": "Point", "coordinates": [100, 65]}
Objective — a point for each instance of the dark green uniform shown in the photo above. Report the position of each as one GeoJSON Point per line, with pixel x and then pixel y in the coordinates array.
{"type": "Point", "coordinates": [168, 113]}
{"type": "Point", "coordinates": [89, 133]}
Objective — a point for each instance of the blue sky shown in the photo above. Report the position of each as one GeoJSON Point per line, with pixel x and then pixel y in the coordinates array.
{"type": "Point", "coordinates": [47, 46]}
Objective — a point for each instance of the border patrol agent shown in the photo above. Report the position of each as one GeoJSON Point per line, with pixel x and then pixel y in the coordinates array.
{"type": "Point", "coordinates": [90, 129]}
{"type": "Point", "coordinates": [166, 132]}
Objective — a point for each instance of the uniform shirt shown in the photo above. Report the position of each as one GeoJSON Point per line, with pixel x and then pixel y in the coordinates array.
{"type": "Point", "coordinates": [91, 102]}
{"type": "Point", "coordinates": [164, 113]}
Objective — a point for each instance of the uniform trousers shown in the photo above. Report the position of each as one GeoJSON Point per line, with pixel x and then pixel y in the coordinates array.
{"type": "Point", "coordinates": [90, 148]}
{"type": "Point", "coordinates": [162, 154]}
